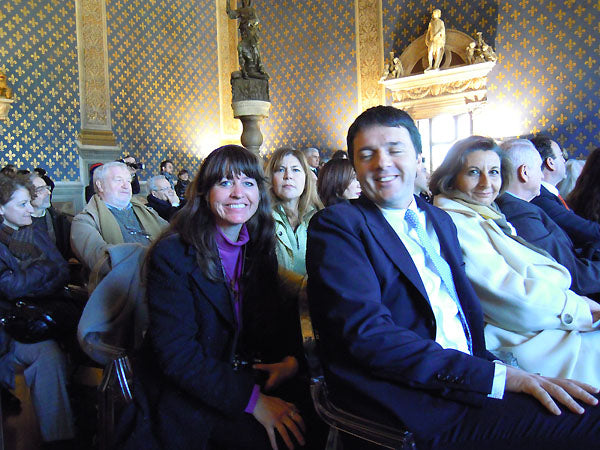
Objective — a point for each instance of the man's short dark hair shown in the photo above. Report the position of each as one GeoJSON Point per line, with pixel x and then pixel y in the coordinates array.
{"type": "Point", "coordinates": [164, 164]}
{"type": "Point", "coordinates": [543, 144]}
{"type": "Point", "coordinates": [386, 116]}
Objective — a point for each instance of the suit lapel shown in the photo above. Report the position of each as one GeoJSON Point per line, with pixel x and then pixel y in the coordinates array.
{"type": "Point", "coordinates": [391, 244]}
{"type": "Point", "coordinates": [217, 294]}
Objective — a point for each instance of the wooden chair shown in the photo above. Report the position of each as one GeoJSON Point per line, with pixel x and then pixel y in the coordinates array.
{"type": "Point", "coordinates": [338, 419]}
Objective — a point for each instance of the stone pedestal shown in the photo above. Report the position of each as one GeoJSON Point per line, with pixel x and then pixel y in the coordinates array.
{"type": "Point", "coordinates": [5, 104]}
{"type": "Point", "coordinates": [251, 113]}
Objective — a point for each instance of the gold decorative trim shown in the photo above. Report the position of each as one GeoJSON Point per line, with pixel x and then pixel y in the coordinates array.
{"type": "Point", "coordinates": [227, 61]}
{"type": "Point", "coordinates": [369, 52]}
{"type": "Point", "coordinates": [97, 137]}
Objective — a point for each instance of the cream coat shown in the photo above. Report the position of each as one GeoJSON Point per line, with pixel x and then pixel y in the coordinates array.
{"type": "Point", "coordinates": [528, 307]}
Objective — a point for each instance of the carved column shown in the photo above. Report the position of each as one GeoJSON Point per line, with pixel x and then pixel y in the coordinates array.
{"type": "Point", "coordinates": [96, 140]}
{"type": "Point", "coordinates": [369, 52]}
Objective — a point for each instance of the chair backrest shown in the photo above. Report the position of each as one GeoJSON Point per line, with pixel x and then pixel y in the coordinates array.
{"type": "Point", "coordinates": [337, 418]}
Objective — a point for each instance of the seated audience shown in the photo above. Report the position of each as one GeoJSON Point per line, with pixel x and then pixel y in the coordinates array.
{"type": "Point", "coordinates": [166, 169]}
{"type": "Point", "coordinates": [422, 181]}
{"type": "Point", "coordinates": [183, 181]}
{"type": "Point", "coordinates": [337, 182]}
{"type": "Point", "coordinates": [89, 189]}
{"type": "Point", "coordinates": [573, 170]}
{"type": "Point", "coordinates": [162, 197]}
{"type": "Point", "coordinates": [530, 312]}
{"type": "Point", "coordinates": [55, 223]}
{"type": "Point", "coordinates": [582, 231]}
{"type": "Point", "coordinates": [584, 199]}
{"type": "Point", "coordinates": [400, 329]}
{"type": "Point", "coordinates": [340, 154]}
{"type": "Point", "coordinates": [217, 259]}
{"type": "Point", "coordinates": [112, 217]}
{"type": "Point", "coordinates": [133, 167]}
{"type": "Point", "coordinates": [31, 266]}
{"type": "Point", "coordinates": [295, 200]}
{"type": "Point", "coordinates": [312, 158]}
{"type": "Point", "coordinates": [521, 167]}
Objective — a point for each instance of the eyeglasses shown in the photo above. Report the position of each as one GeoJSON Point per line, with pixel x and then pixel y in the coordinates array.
{"type": "Point", "coordinates": [133, 231]}
{"type": "Point", "coordinates": [41, 189]}
{"type": "Point", "coordinates": [164, 189]}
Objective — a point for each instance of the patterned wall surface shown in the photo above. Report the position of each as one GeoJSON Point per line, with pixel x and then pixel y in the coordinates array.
{"type": "Point", "coordinates": [308, 48]}
{"type": "Point", "coordinates": [549, 69]}
{"type": "Point", "coordinates": [38, 53]}
{"type": "Point", "coordinates": [164, 80]}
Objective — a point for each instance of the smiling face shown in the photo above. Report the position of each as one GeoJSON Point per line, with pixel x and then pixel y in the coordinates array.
{"type": "Point", "coordinates": [353, 190]}
{"type": "Point", "coordinates": [17, 211]}
{"type": "Point", "coordinates": [386, 161]}
{"type": "Point", "coordinates": [289, 179]}
{"type": "Point", "coordinates": [115, 188]}
{"type": "Point", "coordinates": [163, 189]}
{"type": "Point", "coordinates": [233, 202]}
{"type": "Point", "coordinates": [480, 179]}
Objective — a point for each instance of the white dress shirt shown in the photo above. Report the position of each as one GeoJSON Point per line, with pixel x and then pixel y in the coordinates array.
{"type": "Point", "coordinates": [449, 329]}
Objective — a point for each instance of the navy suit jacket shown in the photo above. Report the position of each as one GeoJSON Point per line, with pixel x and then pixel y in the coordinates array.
{"type": "Point", "coordinates": [376, 327]}
{"type": "Point", "coordinates": [534, 225]}
{"type": "Point", "coordinates": [185, 369]}
{"type": "Point", "coordinates": [581, 231]}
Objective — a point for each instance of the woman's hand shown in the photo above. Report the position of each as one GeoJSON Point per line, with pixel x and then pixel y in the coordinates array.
{"type": "Point", "coordinates": [274, 413]}
{"type": "Point", "coordinates": [546, 390]}
{"type": "Point", "coordinates": [278, 372]}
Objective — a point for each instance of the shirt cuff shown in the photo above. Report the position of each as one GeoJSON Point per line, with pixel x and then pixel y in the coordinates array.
{"type": "Point", "coordinates": [256, 392]}
{"type": "Point", "coordinates": [499, 381]}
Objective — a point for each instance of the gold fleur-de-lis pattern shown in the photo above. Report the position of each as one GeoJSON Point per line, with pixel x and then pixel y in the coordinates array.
{"type": "Point", "coordinates": [548, 69]}
{"type": "Point", "coordinates": [39, 55]}
{"type": "Point", "coordinates": [309, 50]}
{"type": "Point", "coordinates": [164, 79]}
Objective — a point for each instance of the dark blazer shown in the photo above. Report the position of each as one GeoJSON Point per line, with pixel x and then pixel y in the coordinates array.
{"type": "Point", "coordinates": [535, 226]}
{"type": "Point", "coordinates": [581, 231]}
{"type": "Point", "coordinates": [162, 207]}
{"type": "Point", "coordinates": [185, 369]}
{"type": "Point", "coordinates": [376, 327]}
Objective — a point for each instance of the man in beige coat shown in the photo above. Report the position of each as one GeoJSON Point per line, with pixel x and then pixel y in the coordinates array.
{"type": "Point", "coordinates": [112, 217]}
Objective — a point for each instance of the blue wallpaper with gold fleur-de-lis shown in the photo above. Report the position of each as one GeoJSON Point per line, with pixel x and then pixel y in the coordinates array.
{"type": "Point", "coordinates": [164, 80]}
{"type": "Point", "coordinates": [309, 49]}
{"type": "Point", "coordinates": [549, 69]}
{"type": "Point", "coordinates": [38, 53]}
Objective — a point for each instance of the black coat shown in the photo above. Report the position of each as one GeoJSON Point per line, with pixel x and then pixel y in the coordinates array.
{"type": "Point", "coordinates": [185, 369]}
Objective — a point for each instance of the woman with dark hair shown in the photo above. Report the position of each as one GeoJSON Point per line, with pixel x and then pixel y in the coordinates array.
{"type": "Point", "coordinates": [295, 200]}
{"type": "Point", "coordinates": [531, 314]}
{"type": "Point", "coordinates": [584, 199]}
{"type": "Point", "coordinates": [32, 266]}
{"type": "Point", "coordinates": [337, 182]}
{"type": "Point", "coordinates": [219, 346]}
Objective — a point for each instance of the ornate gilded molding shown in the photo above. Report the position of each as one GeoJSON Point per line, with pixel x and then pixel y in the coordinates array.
{"type": "Point", "coordinates": [228, 62]}
{"type": "Point", "coordinates": [369, 52]}
{"type": "Point", "coordinates": [455, 90]}
{"type": "Point", "coordinates": [94, 91]}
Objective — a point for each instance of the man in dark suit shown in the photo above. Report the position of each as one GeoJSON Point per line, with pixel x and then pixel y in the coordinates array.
{"type": "Point", "coordinates": [582, 231]}
{"type": "Point", "coordinates": [401, 330]}
{"type": "Point", "coordinates": [521, 167]}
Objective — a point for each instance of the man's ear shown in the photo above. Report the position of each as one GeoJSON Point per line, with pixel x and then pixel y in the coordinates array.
{"type": "Point", "coordinates": [99, 186]}
{"type": "Point", "coordinates": [549, 164]}
{"type": "Point", "coordinates": [522, 174]}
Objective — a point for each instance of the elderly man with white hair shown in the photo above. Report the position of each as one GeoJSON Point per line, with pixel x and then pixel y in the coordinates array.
{"type": "Point", "coordinates": [522, 171]}
{"type": "Point", "coordinates": [112, 217]}
{"type": "Point", "coordinates": [162, 197]}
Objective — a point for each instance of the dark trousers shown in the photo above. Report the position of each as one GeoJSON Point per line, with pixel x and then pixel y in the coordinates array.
{"type": "Point", "coordinates": [519, 421]}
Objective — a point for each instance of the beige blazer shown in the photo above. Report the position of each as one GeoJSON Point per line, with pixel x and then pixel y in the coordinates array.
{"type": "Point", "coordinates": [528, 307]}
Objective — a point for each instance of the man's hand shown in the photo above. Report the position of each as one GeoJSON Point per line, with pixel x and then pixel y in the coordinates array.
{"type": "Point", "coordinates": [546, 390]}
{"type": "Point", "coordinates": [274, 413]}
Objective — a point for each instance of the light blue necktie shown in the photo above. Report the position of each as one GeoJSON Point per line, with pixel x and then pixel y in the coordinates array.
{"type": "Point", "coordinates": [441, 266]}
